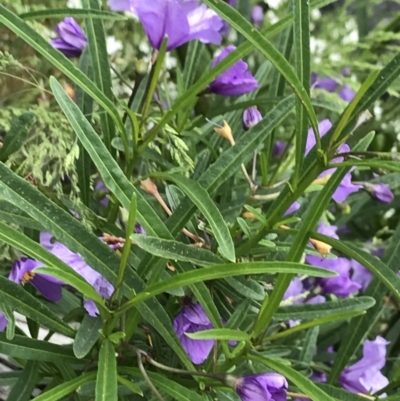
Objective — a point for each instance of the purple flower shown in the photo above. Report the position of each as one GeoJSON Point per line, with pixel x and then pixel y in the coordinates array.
{"type": "Point", "coordinates": [72, 40]}
{"type": "Point", "coordinates": [293, 208]}
{"type": "Point", "coordinates": [236, 80]}
{"type": "Point", "coordinates": [346, 186]}
{"type": "Point", "coordinates": [180, 20]}
{"type": "Point", "coordinates": [262, 387]}
{"type": "Point", "coordinates": [103, 190]}
{"type": "Point", "coordinates": [364, 376]}
{"type": "Point", "coordinates": [21, 273]}
{"type": "Point", "coordinates": [193, 318]}
{"type": "Point", "coordinates": [294, 291]}
{"type": "Point", "coordinates": [251, 117]}
{"type": "Point", "coordinates": [279, 148]}
{"type": "Point", "coordinates": [361, 274]}
{"type": "Point", "coordinates": [346, 93]}
{"type": "Point", "coordinates": [257, 15]}
{"type": "Point", "coordinates": [328, 230]}
{"type": "Point", "coordinates": [331, 85]}
{"type": "Point", "coordinates": [380, 192]}
{"type": "Point", "coordinates": [342, 285]}
{"type": "Point", "coordinates": [95, 279]}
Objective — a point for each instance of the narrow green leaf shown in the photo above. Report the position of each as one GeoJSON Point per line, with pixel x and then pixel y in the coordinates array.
{"type": "Point", "coordinates": [101, 67]}
{"type": "Point", "coordinates": [310, 312]}
{"type": "Point", "coordinates": [219, 334]}
{"type": "Point", "coordinates": [37, 42]}
{"type": "Point", "coordinates": [65, 227]}
{"type": "Point", "coordinates": [315, 322]}
{"type": "Point", "coordinates": [301, 34]}
{"type": "Point", "coordinates": [261, 43]}
{"type": "Point", "coordinates": [22, 389]}
{"type": "Point", "coordinates": [19, 300]}
{"type": "Point", "coordinates": [175, 250]}
{"type": "Point", "coordinates": [200, 197]}
{"type": "Point", "coordinates": [191, 62]}
{"type": "Point", "coordinates": [131, 386]}
{"type": "Point", "coordinates": [35, 350]}
{"type": "Point", "coordinates": [304, 384]}
{"type": "Point", "coordinates": [310, 345]}
{"type": "Point", "coordinates": [17, 134]}
{"type": "Point", "coordinates": [227, 270]}
{"type": "Point", "coordinates": [59, 392]}
{"type": "Point", "coordinates": [85, 103]}
{"type": "Point", "coordinates": [74, 280]}
{"type": "Point", "coordinates": [87, 335]}
{"type": "Point", "coordinates": [106, 380]}
{"type": "Point", "coordinates": [11, 214]}
{"type": "Point", "coordinates": [71, 12]}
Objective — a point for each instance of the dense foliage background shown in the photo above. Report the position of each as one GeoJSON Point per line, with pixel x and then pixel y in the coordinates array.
{"type": "Point", "coordinates": [199, 200]}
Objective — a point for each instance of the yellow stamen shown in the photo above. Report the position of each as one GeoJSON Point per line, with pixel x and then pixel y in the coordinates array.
{"type": "Point", "coordinates": [28, 276]}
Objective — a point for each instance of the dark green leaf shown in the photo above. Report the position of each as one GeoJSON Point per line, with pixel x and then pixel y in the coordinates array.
{"type": "Point", "coordinates": [17, 134]}
{"type": "Point", "coordinates": [71, 12]}
{"type": "Point", "coordinates": [26, 383]}
{"type": "Point", "coordinates": [35, 350]}
{"type": "Point", "coordinates": [87, 335]}
{"type": "Point", "coordinates": [174, 250]}
{"type": "Point", "coordinates": [106, 380]}
{"type": "Point", "coordinates": [57, 393]}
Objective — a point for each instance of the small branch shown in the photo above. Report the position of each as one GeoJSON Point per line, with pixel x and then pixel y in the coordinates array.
{"type": "Point", "coordinates": [147, 378]}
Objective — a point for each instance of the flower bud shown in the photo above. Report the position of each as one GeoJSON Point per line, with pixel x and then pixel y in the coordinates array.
{"type": "Point", "coordinates": [251, 117]}
{"type": "Point", "coordinates": [148, 186]}
{"type": "Point", "coordinates": [321, 247]}
{"type": "Point", "coordinates": [226, 132]}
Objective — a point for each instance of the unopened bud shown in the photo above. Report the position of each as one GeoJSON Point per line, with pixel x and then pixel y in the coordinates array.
{"type": "Point", "coordinates": [248, 215]}
{"type": "Point", "coordinates": [226, 132]}
{"type": "Point", "coordinates": [321, 247]}
{"type": "Point", "coordinates": [322, 180]}
{"type": "Point", "coordinates": [251, 117]}
{"type": "Point", "coordinates": [379, 191]}
{"type": "Point", "coordinates": [148, 186]}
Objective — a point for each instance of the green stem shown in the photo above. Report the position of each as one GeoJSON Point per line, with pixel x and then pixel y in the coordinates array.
{"type": "Point", "coordinates": [127, 248]}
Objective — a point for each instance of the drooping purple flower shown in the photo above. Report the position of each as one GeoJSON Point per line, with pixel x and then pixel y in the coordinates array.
{"type": "Point", "coordinates": [180, 20]}
{"type": "Point", "coordinates": [236, 80]}
{"type": "Point", "coordinates": [21, 273]}
{"type": "Point", "coordinates": [331, 86]}
{"type": "Point", "coordinates": [251, 117]}
{"type": "Point", "coordinates": [346, 187]}
{"type": "Point", "coordinates": [379, 191]}
{"type": "Point", "coordinates": [72, 40]}
{"type": "Point", "coordinates": [262, 387]}
{"type": "Point", "coordinates": [364, 376]}
{"type": "Point", "coordinates": [95, 279]}
{"type": "Point", "coordinates": [257, 15]}
{"type": "Point", "coordinates": [279, 148]}
{"type": "Point", "coordinates": [191, 319]}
